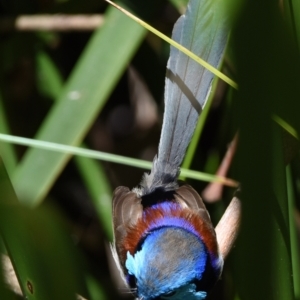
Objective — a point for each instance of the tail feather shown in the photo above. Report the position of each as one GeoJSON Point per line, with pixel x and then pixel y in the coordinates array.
{"type": "Point", "coordinates": [187, 89]}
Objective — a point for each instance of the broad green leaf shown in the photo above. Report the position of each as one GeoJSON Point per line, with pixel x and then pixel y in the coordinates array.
{"type": "Point", "coordinates": [268, 72]}
{"type": "Point", "coordinates": [45, 261]}
{"type": "Point", "coordinates": [83, 96]}
{"type": "Point", "coordinates": [91, 171]}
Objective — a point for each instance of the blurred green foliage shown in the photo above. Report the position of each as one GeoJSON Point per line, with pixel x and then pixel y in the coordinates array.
{"type": "Point", "coordinates": [80, 88]}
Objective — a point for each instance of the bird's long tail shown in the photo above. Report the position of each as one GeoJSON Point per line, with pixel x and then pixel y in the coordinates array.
{"type": "Point", "coordinates": [203, 30]}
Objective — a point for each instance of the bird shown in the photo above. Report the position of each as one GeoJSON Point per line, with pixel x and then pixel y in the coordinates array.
{"type": "Point", "coordinates": [164, 243]}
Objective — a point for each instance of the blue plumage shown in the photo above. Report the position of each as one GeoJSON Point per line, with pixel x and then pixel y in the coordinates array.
{"type": "Point", "coordinates": [165, 243]}
{"type": "Point", "coordinates": [155, 266]}
{"type": "Point", "coordinates": [170, 247]}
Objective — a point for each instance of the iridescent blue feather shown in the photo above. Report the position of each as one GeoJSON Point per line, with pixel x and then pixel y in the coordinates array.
{"type": "Point", "coordinates": [179, 272]}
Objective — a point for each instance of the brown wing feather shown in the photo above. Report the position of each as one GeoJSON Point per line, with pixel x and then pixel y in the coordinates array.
{"type": "Point", "coordinates": [188, 197]}
{"type": "Point", "coordinates": [127, 209]}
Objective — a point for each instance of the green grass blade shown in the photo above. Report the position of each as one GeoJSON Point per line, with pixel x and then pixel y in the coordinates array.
{"type": "Point", "coordinates": [85, 93]}
{"type": "Point", "coordinates": [180, 4]}
{"type": "Point", "coordinates": [92, 173]}
{"type": "Point", "coordinates": [294, 238]}
{"type": "Point", "coordinates": [110, 157]}
{"type": "Point", "coordinates": [292, 9]}
{"type": "Point", "coordinates": [99, 189]}
{"type": "Point", "coordinates": [95, 289]}
{"type": "Point", "coordinates": [286, 126]}
{"type": "Point", "coordinates": [263, 51]}
{"type": "Point", "coordinates": [49, 80]}
{"type": "Point", "coordinates": [178, 46]}
{"type": "Point", "coordinates": [6, 150]}
{"type": "Point", "coordinates": [282, 236]}
{"type": "Point", "coordinates": [44, 259]}
{"type": "Point", "coordinates": [201, 122]}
